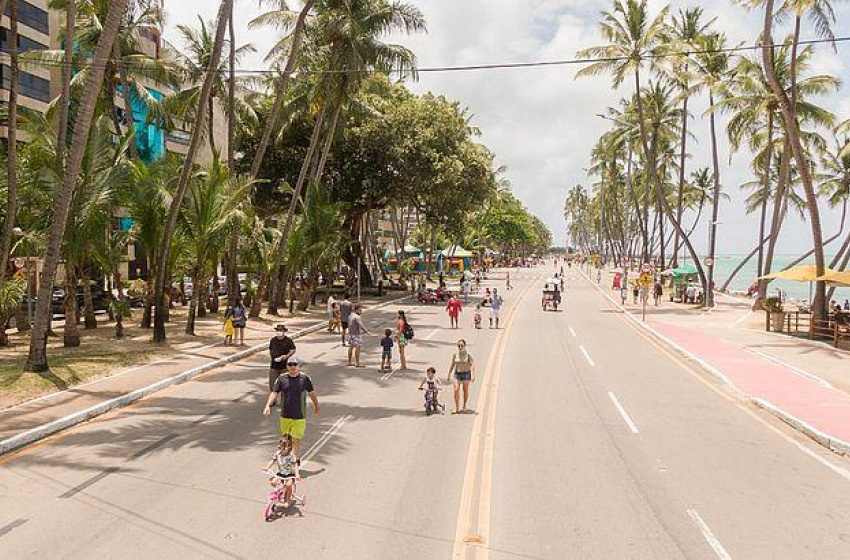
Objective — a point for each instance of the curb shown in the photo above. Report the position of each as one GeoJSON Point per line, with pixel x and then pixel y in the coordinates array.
{"type": "Point", "coordinates": [40, 432]}
{"type": "Point", "coordinates": [834, 444]}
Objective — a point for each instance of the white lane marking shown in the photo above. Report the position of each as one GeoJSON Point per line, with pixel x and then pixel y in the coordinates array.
{"type": "Point", "coordinates": [572, 332]}
{"type": "Point", "coordinates": [431, 334]}
{"type": "Point", "coordinates": [834, 468]}
{"type": "Point", "coordinates": [322, 441]}
{"type": "Point", "coordinates": [390, 373]}
{"type": "Point", "coordinates": [795, 369]}
{"type": "Point", "coordinates": [709, 536]}
{"type": "Point", "coordinates": [628, 419]}
{"type": "Point", "coordinates": [741, 320]}
{"type": "Point", "coordinates": [586, 355]}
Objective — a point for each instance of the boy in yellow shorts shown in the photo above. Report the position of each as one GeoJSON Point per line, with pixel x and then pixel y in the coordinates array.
{"type": "Point", "coordinates": [293, 388]}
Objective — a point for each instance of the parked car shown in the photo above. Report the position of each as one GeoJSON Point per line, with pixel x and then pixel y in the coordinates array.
{"type": "Point", "coordinates": [98, 296]}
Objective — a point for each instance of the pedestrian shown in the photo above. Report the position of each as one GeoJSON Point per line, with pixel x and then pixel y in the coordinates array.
{"type": "Point", "coordinates": [454, 307]}
{"type": "Point", "coordinates": [495, 307]}
{"type": "Point", "coordinates": [441, 279]}
{"type": "Point", "coordinates": [344, 314]}
{"type": "Point", "coordinates": [387, 351]}
{"type": "Point", "coordinates": [227, 329]}
{"type": "Point", "coordinates": [598, 275]}
{"type": "Point", "coordinates": [635, 292]}
{"type": "Point", "coordinates": [508, 281]}
{"type": "Point", "coordinates": [291, 389]}
{"type": "Point", "coordinates": [465, 288]}
{"type": "Point", "coordinates": [356, 331]}
{"type": "Point", "coordinates": [657, 291]}
{"type": "Point", "coordinates": [476, 318]}
{"type": "Point", "coordinates": [477, 281]}
{"type": "Point", "coordinates": [331, 308]}
{"type": "Point", "coordinates": [239, 316]}
{"type": "Point", "coordinates": [847, 305]}
{"type": "Point", "coordinates": [624, 293]}
{"type": "Point", "coordinates": [281, 348]}
{"type": "Point", "coordinates": [402, 329]}
{"type": "Point", "coordinates": [463, 368]}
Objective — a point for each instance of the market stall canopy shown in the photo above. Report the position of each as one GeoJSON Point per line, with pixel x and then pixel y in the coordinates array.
{"type": "Point", "coordinates": [458, 253]}
{"type": "Point", "coordinates": [684, 270]}
{"type": "Point", "coordinates": [836, 277]}
{"type": "Point", "coordinates": [409, 250]}
{"type": "Point", "coordinates": [802, 273]}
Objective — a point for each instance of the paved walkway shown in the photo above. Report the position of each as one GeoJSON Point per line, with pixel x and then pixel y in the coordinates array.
{"type": "Point", "coordinates": [49, 408]}
{"type": "Point", "coordinates": [809, 381]}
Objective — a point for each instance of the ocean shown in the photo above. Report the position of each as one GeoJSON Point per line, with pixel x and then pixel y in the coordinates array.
{"type": "Point", "coordinates": [725, 264]}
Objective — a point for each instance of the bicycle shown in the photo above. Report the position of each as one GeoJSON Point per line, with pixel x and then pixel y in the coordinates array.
{"type": "Point", "coordinates": [277, 496]}
{"type": "Point", "coordinates": [432, 405]}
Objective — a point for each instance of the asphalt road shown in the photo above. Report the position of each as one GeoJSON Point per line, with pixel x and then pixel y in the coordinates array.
{"type": "Point", "coordinates": [588, 441]}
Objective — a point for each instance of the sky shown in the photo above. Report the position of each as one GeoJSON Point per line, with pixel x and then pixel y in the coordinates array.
{"type": "Point", "coordinates": [541, 122]}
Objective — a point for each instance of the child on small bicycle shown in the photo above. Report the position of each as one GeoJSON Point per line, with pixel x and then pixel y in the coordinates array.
{"type": "Point", "coordinates": [287, 468]}
{"type": "Point", "coordinates": [431, 383]}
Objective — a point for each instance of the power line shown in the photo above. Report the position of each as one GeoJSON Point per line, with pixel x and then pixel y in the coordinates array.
{"type": "Point", "coordinates": [486, 67]}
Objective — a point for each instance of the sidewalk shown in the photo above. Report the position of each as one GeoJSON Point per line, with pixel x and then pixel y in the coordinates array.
{"type": "Point", "coordinates": [53, 412]}
{"type": "Point", "coordinates": [807, 384]}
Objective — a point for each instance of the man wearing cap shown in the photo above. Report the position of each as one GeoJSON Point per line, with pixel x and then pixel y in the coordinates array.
{"type": "Point", "coordinates": [281, 348]}
{"type": "Point", "coordinates": [293, 388]}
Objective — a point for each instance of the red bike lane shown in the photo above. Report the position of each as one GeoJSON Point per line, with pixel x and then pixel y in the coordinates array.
{"type": "Point", "coordinates": [824, 409]}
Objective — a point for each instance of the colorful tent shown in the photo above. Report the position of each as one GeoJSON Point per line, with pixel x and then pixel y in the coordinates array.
{"type": "Point", "coordinates": [836, 277]}
{"type": "Point", "coordinates": [802, 273]}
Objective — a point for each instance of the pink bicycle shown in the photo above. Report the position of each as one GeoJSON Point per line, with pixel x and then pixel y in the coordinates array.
{"type": "Point", "coordinates": [277, 497]}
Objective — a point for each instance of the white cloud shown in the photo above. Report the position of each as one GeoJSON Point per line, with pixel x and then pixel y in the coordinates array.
{"type": "Point", "coordinates": [540, 122]}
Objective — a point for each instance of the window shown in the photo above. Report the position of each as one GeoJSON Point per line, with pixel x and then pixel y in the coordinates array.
{"type": "Point", "coordinates": [31, 85]}
{"type": "Point", "coordinates": [32, 16]}
{"type": "Point", "coordinates": [25, 44]}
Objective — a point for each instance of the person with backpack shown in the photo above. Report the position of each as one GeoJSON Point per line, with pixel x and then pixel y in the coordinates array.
{"type": "Point", "coordinates": [404, 333]}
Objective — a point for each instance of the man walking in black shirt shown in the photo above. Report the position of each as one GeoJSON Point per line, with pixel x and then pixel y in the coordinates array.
{"type": "Point", "coordinates": [281, 348]}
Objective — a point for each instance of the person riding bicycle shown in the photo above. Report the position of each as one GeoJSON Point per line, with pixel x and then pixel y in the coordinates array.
{"type": "Point", "coordinates": [288, 468]}
{"type": "Point", "coordinates": [432, 384]}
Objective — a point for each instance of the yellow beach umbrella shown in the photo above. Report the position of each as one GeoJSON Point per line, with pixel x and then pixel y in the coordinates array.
{"type": "Point", "coordinates": [802, 273]}
{"type": "Point", "coordinates": [837, 277]}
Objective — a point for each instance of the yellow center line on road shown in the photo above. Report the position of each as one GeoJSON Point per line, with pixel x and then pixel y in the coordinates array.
{"type": "Point", "coordinates": [473, 526]}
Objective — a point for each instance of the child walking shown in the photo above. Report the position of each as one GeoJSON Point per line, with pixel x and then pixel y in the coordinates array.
{"type": "Point", "coordinates": [387, 352]}
{"type": "Point", "coordinates": [227, 330]}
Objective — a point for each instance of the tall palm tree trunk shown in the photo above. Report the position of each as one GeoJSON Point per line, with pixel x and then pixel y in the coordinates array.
{"type": "Point", "coordinates": [708, 300]}
{"type": "Point", "coordinates": [187, 171]}
{"type": "Point", "coordinates": [233, 246]}
{"type": "Point", "coordinates": [680, 194]}
{"type": "Point", "coordinates": [67, 72]}
{"type": "Point", "coordinates": [88, 303]}
{"type": "Point", "coordinates": [653, 172]}
{"type": "Point", "coordinates": [37, 358]}
{"type": "Point", "coordinates": [777, 219]}
{"type": "Point", "coordinates": [789, 113]}
{"type": "Point", "coordinates": [127, 98]}
{"type": "Point", "coordinates": [11, 148]}
{"type": "Point", "coordinates": [768, 162]}
{"type": "Point", "coordinates": [283, 85]}
{"type": "Point", "coordinates": [71, 335]}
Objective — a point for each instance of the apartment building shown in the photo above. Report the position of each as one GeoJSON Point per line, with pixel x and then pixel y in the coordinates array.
{"type": "Point", "coordinates": [34, 33]}
{"type": "Point", "coordinates": [38, 29]}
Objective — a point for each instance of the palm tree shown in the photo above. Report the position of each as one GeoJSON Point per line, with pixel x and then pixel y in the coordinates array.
{"type": "Point", "coordinates": [795, 143]}
{"type": "Point", "coordinates": [713, 65]}
{"type": "Point", "coordinates": [755, 118]}
{"type": "Point", "coordinates": [11, 145]}
{"type": "Point", "coordinates": [212, 211]}
{"type": "Point", "coordinates": [188, 165]}
{"type": "Point", "coordinates": [685, 29]}
{"type": "Point", "coordinates": [37, 358]}
{"type": "Point", "coordinates": [69, 38]}
{"type": "Point", "coordinates": [633, 41]}
{"type": "Point", "coordinates": [199, 43]}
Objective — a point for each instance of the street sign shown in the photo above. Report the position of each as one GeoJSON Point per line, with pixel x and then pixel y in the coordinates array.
{"type": "Point", "coordinates": [709, 261]}
{"type": "Point", "coordinates": [19, 262]}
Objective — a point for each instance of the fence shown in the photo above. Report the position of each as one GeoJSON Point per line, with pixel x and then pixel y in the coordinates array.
{"type": "Point", "coordinates": [835, 328]}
